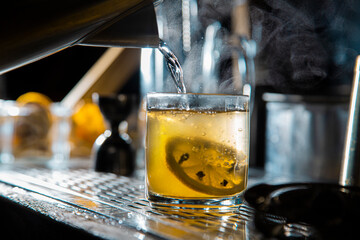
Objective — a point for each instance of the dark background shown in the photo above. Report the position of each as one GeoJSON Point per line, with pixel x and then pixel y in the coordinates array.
{"type": "Point", "coordinates": [56, 75]}
{"type": "Point", "coordinates": [304, 46]}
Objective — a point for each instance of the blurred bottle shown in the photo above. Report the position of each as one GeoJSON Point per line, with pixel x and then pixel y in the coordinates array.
{"type": "Point", "coordinates": [112, 150]}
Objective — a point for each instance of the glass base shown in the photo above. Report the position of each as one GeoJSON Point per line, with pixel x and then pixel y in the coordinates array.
{"type": "Point", "coordinates": [196, 203]}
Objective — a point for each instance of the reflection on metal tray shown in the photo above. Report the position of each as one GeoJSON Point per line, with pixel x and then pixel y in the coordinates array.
{"type": "Point", "coordinates": [118, 202]}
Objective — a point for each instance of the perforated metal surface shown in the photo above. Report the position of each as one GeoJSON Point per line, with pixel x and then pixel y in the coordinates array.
{"type": "Point", "coordinates": [122, 200]}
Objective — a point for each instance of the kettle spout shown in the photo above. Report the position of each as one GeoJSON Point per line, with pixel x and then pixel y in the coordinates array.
{"type": "Point", "coordinates": [138, 29]}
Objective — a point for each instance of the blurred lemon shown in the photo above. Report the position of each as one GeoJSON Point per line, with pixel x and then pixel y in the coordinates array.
{"type": "Point", "coordinates": [88, 123]}
{"type": "Point", "coordinates": [34, 97]}
{"type": "Point", "coordinates": [31, 134]}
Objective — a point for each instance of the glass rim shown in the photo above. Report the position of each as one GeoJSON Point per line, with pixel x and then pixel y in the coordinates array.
{"type": "Point", "coordinates": [196, 102]}
{"type": "Point", "coordinates": [191, 93]}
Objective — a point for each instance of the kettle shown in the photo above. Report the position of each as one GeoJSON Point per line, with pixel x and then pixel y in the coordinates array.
{"type": "Point", "coordinates": [34, 29]}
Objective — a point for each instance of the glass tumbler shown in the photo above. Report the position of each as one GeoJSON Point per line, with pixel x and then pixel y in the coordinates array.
{"type": "Point", "coordinates": [197, 148]}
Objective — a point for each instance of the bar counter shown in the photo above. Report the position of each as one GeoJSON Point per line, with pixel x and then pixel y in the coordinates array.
{"type": "Point", "coordinates": [44, 202]}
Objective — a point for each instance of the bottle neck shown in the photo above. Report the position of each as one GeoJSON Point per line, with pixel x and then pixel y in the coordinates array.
{"type": "Point", "coordinates": [114, 127]}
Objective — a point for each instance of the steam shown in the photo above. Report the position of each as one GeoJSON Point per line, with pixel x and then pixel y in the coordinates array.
{"type": "Point", "coordinates": [217, 76]}
{"type": "Point", "coordinates": [209, 11]}
{"type": "Point", "coordinates": [215, 10]}
{"type": "Point", "coordinates": [302, 45]}
{"type": "Point", "coordinates": [299, 42]}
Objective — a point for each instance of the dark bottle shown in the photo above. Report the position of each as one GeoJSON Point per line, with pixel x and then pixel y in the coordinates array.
{"type": "Point", "coordinates": [113, 151]}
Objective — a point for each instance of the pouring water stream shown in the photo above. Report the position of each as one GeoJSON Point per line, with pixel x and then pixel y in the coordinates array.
{"type": "Point", "coordinates": [174, 66]}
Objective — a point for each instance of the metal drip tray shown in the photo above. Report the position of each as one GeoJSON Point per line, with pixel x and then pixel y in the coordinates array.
{"type": "Point", "coordinates": [113, 207]}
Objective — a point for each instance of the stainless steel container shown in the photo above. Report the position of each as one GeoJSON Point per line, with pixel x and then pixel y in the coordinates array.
{"type": "Point", "coordinates": [305, 135]}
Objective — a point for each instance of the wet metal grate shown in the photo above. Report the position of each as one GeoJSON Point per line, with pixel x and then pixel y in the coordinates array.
{"type": "Point", "coordinates": [115, 197]}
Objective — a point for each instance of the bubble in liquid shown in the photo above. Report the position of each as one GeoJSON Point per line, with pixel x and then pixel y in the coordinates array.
{"type": "Point", "coordinates": [195, 149]}
{"type": "Point", "coordinates": [184, 117]}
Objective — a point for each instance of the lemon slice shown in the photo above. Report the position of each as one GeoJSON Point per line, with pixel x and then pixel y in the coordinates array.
{"type": "Point", "coordinates": [206, 166]}
{"type": "Point", "coordinates": [34, 97]}
{"type": "Point", "coordinates": [88, 122]}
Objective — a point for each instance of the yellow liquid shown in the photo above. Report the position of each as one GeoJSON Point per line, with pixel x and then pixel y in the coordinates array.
{"type": "Point", "coordinates": [217, 132]}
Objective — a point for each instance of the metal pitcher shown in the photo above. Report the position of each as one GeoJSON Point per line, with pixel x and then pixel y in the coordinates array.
{"type": "Point", "coordinates": [31, 30]}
